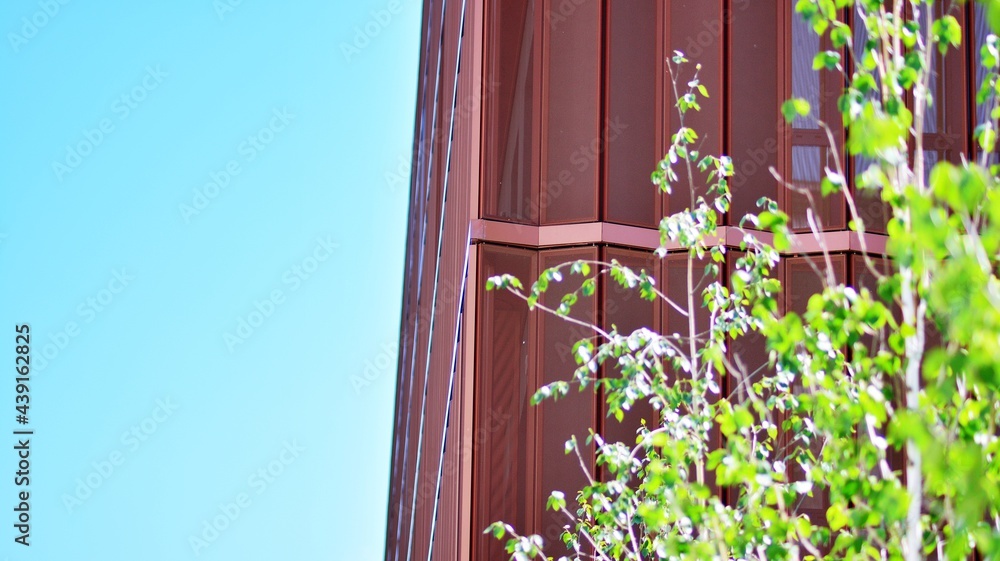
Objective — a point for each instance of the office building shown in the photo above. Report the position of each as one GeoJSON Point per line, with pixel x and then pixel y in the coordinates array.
{"type": "Point", "coordinates": [538, 123]}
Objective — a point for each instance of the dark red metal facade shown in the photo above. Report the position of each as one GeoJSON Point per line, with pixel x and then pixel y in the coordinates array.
{"type": "Point", "coordinates": [538, 124]}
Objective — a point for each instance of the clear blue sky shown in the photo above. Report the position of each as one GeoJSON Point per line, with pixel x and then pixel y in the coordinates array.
{"type": "Point", "coordinates": [196, 224]}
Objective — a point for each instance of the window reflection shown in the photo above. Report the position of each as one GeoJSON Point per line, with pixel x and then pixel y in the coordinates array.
{"type": "Point", "coordinates": [981, 28]}
{"type": "Point", "coordinates": [810, 153]}
{"type": "Point", "coordinates": [871, 209]}
{"type": "Point", "coordinates": [512, 140]}
{"type": "Point", "coordinates": [805, 80]}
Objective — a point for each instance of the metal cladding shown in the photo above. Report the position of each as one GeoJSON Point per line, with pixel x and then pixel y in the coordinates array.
{"type": "Point", "coordinates": [538, 123]}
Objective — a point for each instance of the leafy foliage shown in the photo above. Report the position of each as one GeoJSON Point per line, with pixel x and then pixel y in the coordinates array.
{"type": "Point", "coordinates": [855, 382]}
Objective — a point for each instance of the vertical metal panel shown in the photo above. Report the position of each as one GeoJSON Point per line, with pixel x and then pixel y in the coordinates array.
{"type": "Point", "coordinates": [505, 379]}
{"type": "Point", "coordinates": [467, 533]}
{"type": "Point", "coordinates": [572, 146]}
{"type": "Point", "coordinates": [946, 127]}
{"type": "Point", "coordinates": [632, 78]}
{"type": "Point", "coordinates": [445, 544]}
{"type": "Point", "coordinates": [863, 277]}
{"type": "Point", "coordinates": [425, 394]}
{"type": "Point", "coordinates": [434, 326]}
{"type": "Point", "coordinates": [871, 209]}
{"type": "Point", "coordinates": [754, 102]}
{"type": "Point", "coordinates": [511, 138]}
{"type": "Point", "coordinates": [467, 98]}
{"type": "Point", "coordinates": [749, 354]}
{"type": "Point", "coordinates": [749, 351]}
{"type": "Point", "coordinates": [978, 28]}
{"type": "Point", "coordinates": [675, 276]}
{"type": "Point", "coordinates": [422, 195]}
{"type": "Point", "coordinates": [804, 276]}
{"type": "Point", "coordinates": [664, 109]}
{"type": "Point", "coordinates": [809, 151]}
{"type": "Point", "coordinates": [802, 281]}
{"type": "Point", "coordinates": [951, 95]}
{"type": "Point", "coordinates": [806, 174]}
{"type": "Point", "coordinates": [439, 512]}
{"type": "Point", "coordinates": [437, 484]}
{"type": "Point", "coordinates": [696, 27]}
{"type": "Point", "coordinates": [627, 311]}
{"type": "Point", "coordinates": [480, 89]}
{"type": "Point", "coordinates": [570, 416]}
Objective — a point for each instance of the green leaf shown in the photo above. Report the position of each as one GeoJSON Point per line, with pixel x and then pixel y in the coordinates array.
{"type": "Point", "coordinates": [990, 53]}
{"type": "Point", "coordinates": [828, 187]}
{"type": "Point", "coordinates": [541, 285]}
{"type": "Point", "coordinates": [836, 516]}
{"type": "Point", "coordinates": [781, 241]}
{"type": "Point", "coordinates": [946, 31]}
{"type": "Point", "coordinates": [794, 107]}
{"type": "Point", "coordinates": [986, 136]}
{"type": "Point", "coordinates": [840, 35]}
{"type": "Point", "coordinates": [993, 15]}
{"type": "Point", "coordinates": [557, 501]}
{"type": "Point", "coordinates": [768, 220]}
{"type": "Point", "coordinates": [541, 395]}
{"type": "Point", "coordinates": [826, 59]}
{"type": "Point", "coordinates": [497, 529]}
{"type": "Point", "coordinates": [569, 299]}
{"type": "Point", "coordinates": [739, 280]}
{"type": "Point", "coordinates": [742, 418]}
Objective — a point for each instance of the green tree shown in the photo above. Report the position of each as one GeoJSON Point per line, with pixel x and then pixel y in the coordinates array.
{"type": "Point", "coordinates": [854, 380]}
